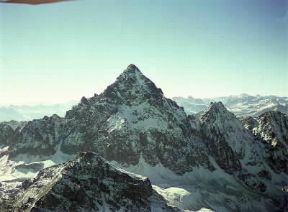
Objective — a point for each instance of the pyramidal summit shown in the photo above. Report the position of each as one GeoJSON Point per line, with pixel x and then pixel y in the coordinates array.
{"type": "Point", "coordinates": [132, 149]}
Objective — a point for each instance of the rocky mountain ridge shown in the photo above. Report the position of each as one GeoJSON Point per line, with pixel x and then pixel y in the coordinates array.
{"type": "Point", "coordinates": [132, 124]}
{"type": "Point", "coordinates": [86, 183]}
{"type": "Point", "coordinates": [272, 129]}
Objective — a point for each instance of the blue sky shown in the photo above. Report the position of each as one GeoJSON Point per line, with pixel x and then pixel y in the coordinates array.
{"type": "Point", "coordinates": [57, 52]}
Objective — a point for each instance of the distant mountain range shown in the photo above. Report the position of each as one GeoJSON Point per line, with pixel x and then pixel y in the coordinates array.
{"type": "Point", "coordinates": [29, 112]}
{"type": "Point", "coordinates": [242, 105]}
{"type": "Point", "coordinates": [132, 149]}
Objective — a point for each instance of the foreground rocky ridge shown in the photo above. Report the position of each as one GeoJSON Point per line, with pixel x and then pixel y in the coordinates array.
{"type": "Point", "coordinates": [87, 183]}
{"type": "Point", "coordinates": [133, 124]}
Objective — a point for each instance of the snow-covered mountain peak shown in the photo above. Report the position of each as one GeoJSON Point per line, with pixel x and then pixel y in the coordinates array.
{"type": "Point", "coordinates": [132, 85]}
{"type": "Point", "coordinates": [132, 69]}
{"type": "Point", "coordinates": [132, 73]}
{"type": "Point", "coordinates": [217, 107]}
{"type": "Point", "coordinates": [223, 126]}
{"type": "Point", "coordinates": [134, 76]}
{"type": "Point", "coordinates": [132, 125]}
{"type": "Point", "coordinates": [217, 111]}
{"type": "Point", "coordinates": [133, 116]}
{"type": "Point", "coordinates": [218, 116]}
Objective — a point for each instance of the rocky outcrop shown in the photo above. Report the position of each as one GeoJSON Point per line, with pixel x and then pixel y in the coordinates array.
{"type": "Point", "coordinates": [38, 137]}
{"type": "Point", "coordinates": [274, 128]}
{"type": "Point", "coordinates": [6, 134]}
{"type": "Point", "coordinates": [271, 128]}
{"type": "Point", "coordinates": [87, 183]}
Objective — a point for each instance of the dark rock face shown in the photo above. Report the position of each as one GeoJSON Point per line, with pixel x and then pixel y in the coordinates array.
{"type": "Point", "coordinates": [271, 128]}
{"type": "Point", "coordinates": [250, 123]}
{"type": "Point", "coordinates": [6, 134]}
{"type": "Point", "coordinates": [253, 182]}
{"type": "Point", "coordinates": [275, 126]}
{"type": "Point", "coordinates": [87, 183]}
{"type": "Point", "coordinates": [224, 132]}
{"type": "Point", "coordinates": [38, 137]}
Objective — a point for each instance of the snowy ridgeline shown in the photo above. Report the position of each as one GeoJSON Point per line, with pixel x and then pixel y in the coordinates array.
{"type": "Point", "coordinates": [198, 190]}
{"type": "Point", "coordinates": [170, 192]}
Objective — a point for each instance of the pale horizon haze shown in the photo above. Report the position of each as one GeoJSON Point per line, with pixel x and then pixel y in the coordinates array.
{"type": "Point", "coordinates": [54, 53]}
